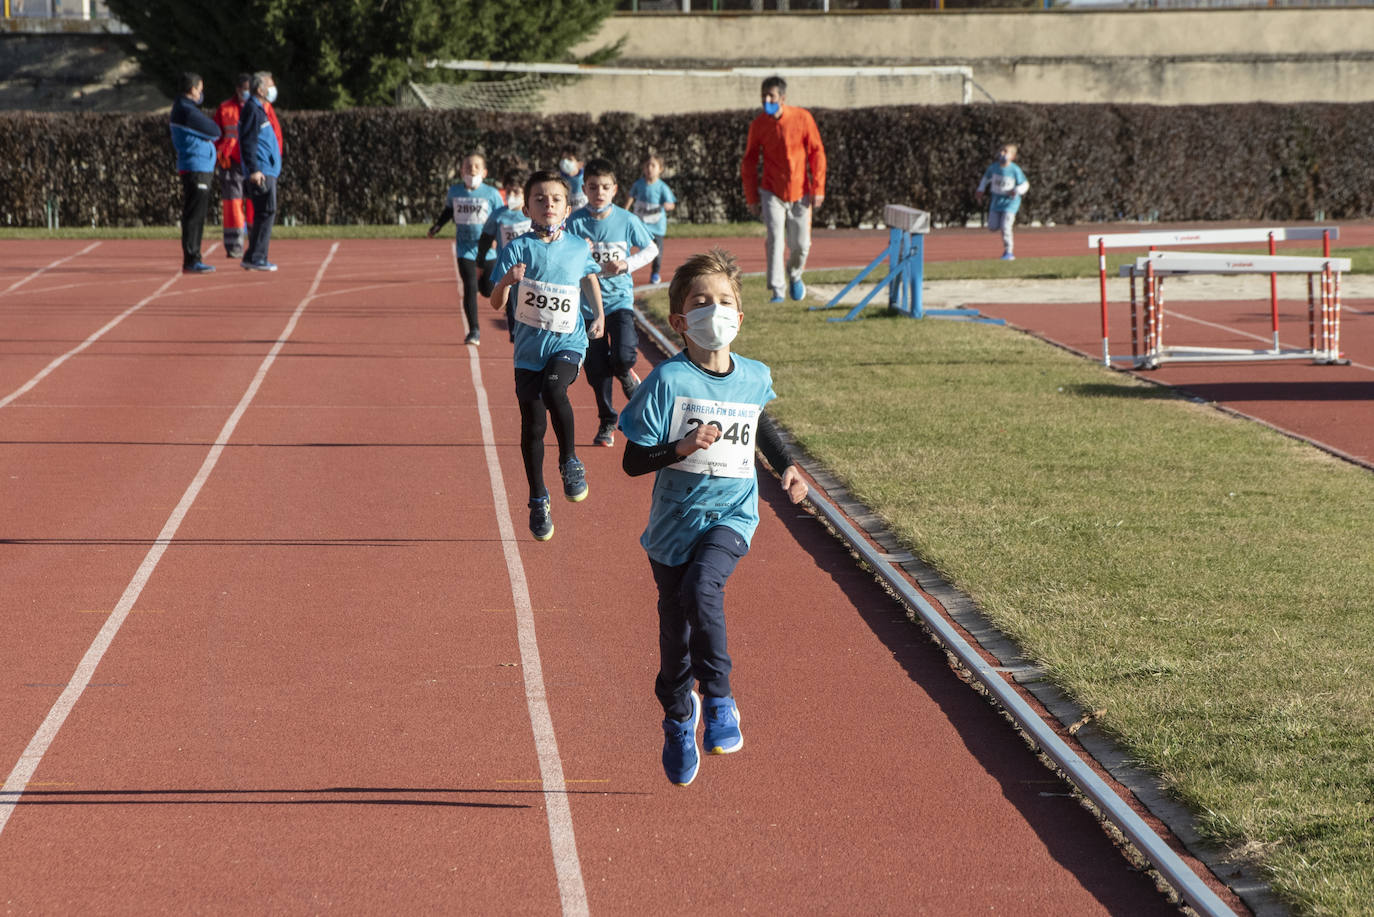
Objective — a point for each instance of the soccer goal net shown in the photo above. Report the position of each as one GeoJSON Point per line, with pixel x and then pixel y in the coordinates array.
{"type": "Point", "coordinates": [502, 86]}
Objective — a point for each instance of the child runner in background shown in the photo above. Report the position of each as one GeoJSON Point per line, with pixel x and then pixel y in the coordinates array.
{"type": "Point", "coordinates": [504, 226]}
{"type": "Point", "coordinates": [652, 200]}
{"type": "Point", "coordinates": [570, 167]}
{"type": "Point", "coordinates": [468, 204]}
{"type": "Point", "coordinates": [1007, 183]}
{"type": "Point", "coordinates": [548, 268]}
{"type": "Point", "coordinates": [621, 244]}
{"type": "Point", "coordinates": [696, 421]}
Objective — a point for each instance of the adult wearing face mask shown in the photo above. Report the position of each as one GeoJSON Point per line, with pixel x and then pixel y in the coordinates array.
{"type": "Point", "coordinates": [236, 215]}
{"type": "Point", "coordinates": [260, 152]}
{"type": "Point", "coordinates": [193, 135]}
{"type": "Point", "coordinates": [784, 180]}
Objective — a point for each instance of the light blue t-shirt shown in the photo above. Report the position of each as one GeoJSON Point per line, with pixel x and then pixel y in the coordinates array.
{"type": "Point", "coordinates": [649, 200]}
{"type": "Point", "coordinates": [470, 209]}
{"type": "Point", "coordinates": [612, 238]}
{"type": "Point", "coordinates": [710, 487]}
{"type": "Point", "coordinates": [505, 226]}
{"type": "Point", "coordinates": [1002, 180]}
{"type": "Point", "coordinates": [547, 316]}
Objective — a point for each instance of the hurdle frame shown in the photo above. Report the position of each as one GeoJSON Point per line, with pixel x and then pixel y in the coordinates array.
{"type": "Point", "coordinates": [905, 281]}
{"type": "Point", "coordinates": [1323, 336]}
{"type": "Point", "coordinates": [1153, 240]}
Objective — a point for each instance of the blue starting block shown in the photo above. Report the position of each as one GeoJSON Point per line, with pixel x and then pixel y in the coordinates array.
{"type": "Point", "coordinates": [905, 260]}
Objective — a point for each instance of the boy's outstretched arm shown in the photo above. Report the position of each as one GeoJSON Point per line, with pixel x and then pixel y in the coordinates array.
{"type": "Point", "coordinates": [444, 216]}
{"type": "Point", "coordinates": [591, 291]}
{"type": "Point", "coordinates": [484, 244]}
{"type": "Point", "coordinates": [502, 288]}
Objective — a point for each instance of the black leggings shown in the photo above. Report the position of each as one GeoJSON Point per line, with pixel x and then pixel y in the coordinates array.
{"type": "Point", "coordinates": [542, 394]}
{"type": "Point", "coordinates": [467, 272]}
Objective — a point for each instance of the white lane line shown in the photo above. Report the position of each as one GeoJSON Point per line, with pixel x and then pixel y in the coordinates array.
{"type": "Point", "coordinates": [43, 270]}
{"type": "Point", "coordinates": [1174, 313]}
{"type": "Point", "coordinates": [38, 746]}
{"type": "Point", "coordinates": [567, 866]}
{"type": "Point", "coordinates": [47, 370]}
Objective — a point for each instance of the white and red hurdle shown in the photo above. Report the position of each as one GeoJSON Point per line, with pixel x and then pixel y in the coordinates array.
{"type": "Point", "coordinates": [1148, 350]}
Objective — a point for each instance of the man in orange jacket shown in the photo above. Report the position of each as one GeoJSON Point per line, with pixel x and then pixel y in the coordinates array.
{"type": "Point", "coordinates": [787, 142]}
{"type": "Point", "coordinates": [238, 211]}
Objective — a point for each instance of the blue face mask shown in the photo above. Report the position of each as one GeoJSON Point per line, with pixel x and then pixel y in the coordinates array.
{"type": "Point", "coordinates": [771, 108]}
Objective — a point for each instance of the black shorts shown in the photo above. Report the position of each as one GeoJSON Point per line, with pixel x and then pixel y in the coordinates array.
{"type": "Point", "coordinates": [559, 373]}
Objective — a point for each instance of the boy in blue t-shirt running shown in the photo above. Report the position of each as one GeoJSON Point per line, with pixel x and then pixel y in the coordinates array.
{"type": "Point", "coordinates": [468, 204]}
{"type": "Point", "coordinates": [621, 244]}
{"type": "Point", "coordinates": [549, 269]}
{"type": "Point", "coordinates": [1008, 184]}
{"type": "Point", "coordinates": [696, 421]}
{"type": "Point", "coordinates": [503, 227]}
{"type": "Point", "coordinates": [652, 200]}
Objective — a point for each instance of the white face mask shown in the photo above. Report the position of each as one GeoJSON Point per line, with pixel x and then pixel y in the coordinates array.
{"type": "Point", "coordinates": [569, 166]}
{"type": "Point", "coordinates": [472, 181]}
{"type": "Point", "coordinates": [515, 201]}
{"type": "Point", "coordinates": [271, 93]}
{"type": "Point", "coordinates": [713, 327]}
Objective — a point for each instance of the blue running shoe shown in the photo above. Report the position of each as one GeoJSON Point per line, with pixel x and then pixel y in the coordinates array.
{"type": "Point", "coordinates": [654, 278]}
{"type": "Point", "coordinates": [680, 756]}
{"type": "Point", "coordinates": [541, 520]}
{"type": "Point", "coordinates": [200, 267]}
{"type": "Point", "coordinates": [722, 726]}
{"type": "Point", "coordinates": [1008, 256]}
{"type": "Point", "coordinates": [776, 297]}
{"type": "Point", "coordinates": [574, 480]}
{"type": "Point", "coordinates": [797, 290]}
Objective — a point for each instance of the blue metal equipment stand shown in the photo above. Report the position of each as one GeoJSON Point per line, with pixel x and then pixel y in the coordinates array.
{"type": "Point", "coordinates": [905, 260]}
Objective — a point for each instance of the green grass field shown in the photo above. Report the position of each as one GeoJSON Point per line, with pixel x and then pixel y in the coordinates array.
{"type": "Point", "coordinates": [1203, 580]}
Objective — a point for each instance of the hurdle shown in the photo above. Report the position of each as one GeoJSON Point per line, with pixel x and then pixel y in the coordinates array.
{"type": "Point", "coordinates": [905, 281]}
{"type": "Point", "coordinates": [1153, 240]}
{"type": "Point", "coordinates": [1148, 350]}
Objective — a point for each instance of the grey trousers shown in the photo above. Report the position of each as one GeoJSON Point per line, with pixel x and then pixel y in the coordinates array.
{"type": "Point", "coordinates": [789, 222]}
{"type": "Point", "coordinates": [1003, 220]}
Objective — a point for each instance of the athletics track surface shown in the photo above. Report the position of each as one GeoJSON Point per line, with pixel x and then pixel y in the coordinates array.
{"type": "Point", "coordinates": [323, 695]}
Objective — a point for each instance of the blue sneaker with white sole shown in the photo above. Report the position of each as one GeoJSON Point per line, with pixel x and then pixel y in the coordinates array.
{"type": "Point", "coordinates": [797, 290]}
{"type": "Point", "coordinates": [722, 726]}
{"type": "Point", "coordinates": [681, 759]}
{"type": "Point", "coordinates": [541, 520]}
{"type": "Point", "coordinates": [776, 297]}
{"type": "Point", "coordinates": [574, 480]}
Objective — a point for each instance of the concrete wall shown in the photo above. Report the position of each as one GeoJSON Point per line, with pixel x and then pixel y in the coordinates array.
{"type": "Point", "coordinates": [1162, 57]}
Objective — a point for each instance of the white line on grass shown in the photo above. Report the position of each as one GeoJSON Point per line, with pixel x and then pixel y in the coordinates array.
{"type": "Point", "coordinates": [38, 746]}
{"type": "Point", "coordinates": [567, 866]}
{"type": "Point", "coordinates": [43, 270]}
{"type": "Point", "coordinates": [47, 370]}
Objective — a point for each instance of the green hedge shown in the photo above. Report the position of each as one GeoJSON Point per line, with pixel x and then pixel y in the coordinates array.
{"type": "Point", "coordinates": [1085, 162]}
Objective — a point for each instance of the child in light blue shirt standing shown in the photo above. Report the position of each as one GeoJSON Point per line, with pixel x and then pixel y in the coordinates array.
{"type": "Point", "coordinates": [1007, 183]}
{"type": "Point", "coordinates": [652, 200]}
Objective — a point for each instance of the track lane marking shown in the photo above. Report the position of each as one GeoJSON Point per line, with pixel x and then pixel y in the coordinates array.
{"type": "Point", "coordinates": [48, 370]}
{"type": "Point", "coordinates": [1174, 313]}
{"type": "Point", "coordinates": [32, 756]}
{"type": "Point", "coordinates": [43, 270]}
{"type": "Point", "coordinates": [571, 889]}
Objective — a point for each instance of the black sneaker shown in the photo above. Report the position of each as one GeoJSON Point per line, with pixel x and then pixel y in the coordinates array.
{"type": "Point", "coordinates": [574, 480]}
{"type": "Point", "coordinates": [629, 381]}
{"type": "Point", "coordinates": [541, 520]}
{"type": "Point", "coordinates": [605, 435]}
{"type": "Point", "coordinates": [473, 337]}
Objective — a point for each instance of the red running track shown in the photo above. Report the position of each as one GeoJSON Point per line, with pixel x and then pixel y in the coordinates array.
{"type": "Point", "coordinates": [318, 699]}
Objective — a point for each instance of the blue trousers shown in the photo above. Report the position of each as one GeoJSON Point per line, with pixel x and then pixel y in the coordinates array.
{"type": "Point", "coordinates": [691, 621]}
{"type": "Point", "coordinates": [264, 200]}
{"type": "Point", "coordinates": [611, 355]}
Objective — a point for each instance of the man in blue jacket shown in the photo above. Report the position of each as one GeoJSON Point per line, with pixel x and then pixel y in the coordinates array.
{"type": "Point", "coordinates": [193, 134]}
{"type": "Point", "coordinates": [261, 159]}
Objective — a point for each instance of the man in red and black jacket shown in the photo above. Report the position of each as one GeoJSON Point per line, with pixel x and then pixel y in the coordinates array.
{"type": "Point", "coordinates": [238, 211]}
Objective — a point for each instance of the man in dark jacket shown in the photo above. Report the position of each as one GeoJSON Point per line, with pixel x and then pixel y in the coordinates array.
{"type": "Point", "coordinates": [261, 159]}
{"type": "Point", "coordinates": [194, 135]}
